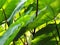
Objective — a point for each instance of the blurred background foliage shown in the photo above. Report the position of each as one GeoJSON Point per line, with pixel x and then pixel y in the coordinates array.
{"type": "Point", "coordinates": [29, 22]}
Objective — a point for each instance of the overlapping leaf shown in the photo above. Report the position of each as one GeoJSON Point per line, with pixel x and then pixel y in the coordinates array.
{"type": "Point", "coordinates": [45, 36]}
{"type": "Point", "coordinates": [48, 10]}
{"type": "Point", "coordinates": [15, 28]}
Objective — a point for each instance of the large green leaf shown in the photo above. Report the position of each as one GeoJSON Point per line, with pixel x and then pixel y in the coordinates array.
{"type": "Point", "coordinates": [15, 28]}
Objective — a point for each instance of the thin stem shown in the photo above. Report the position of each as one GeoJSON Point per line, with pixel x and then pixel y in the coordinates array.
{"type": "Point", "coordinates": [37, 8]}
{"type": "Point", "coordinates": [36, 15]}
{"type": "Point", "coordinates": [5, 17]}
{"type": "Point", "coordinates": [34, 31]}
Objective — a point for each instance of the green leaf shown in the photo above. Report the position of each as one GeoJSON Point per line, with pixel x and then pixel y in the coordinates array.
{"type": "Point", "coordinates": [1, 16]}
{"type": "Point", "coordinates": [2, 3]}
{"type": "Point", "coordinates": [41, 19]}
{"type": "Point", "coordinates": [15, 28]}
{"type": "Point", "coordinates": [10, 10]}
{"type": "Point", "coordinates": [45, 36]}
{"type": "Point", "coordinates": [16, 9]}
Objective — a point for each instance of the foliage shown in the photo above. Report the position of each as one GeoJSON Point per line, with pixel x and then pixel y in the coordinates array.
{"type": "Point", "coordinates": [20, 18]}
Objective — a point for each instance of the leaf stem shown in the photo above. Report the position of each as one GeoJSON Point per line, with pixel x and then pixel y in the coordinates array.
{"type": "Point", "coordinates": [36, 15]}
{"type": "Point", "coordinates": [5, 17]}
{"type": "Point", "coordinates": [37, 8]}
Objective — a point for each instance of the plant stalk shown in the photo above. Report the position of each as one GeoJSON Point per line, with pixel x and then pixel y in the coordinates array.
{"type": "Point", "coordinates": [5, 17]}
{"type": "Point", "coordinates": [36, 15]}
